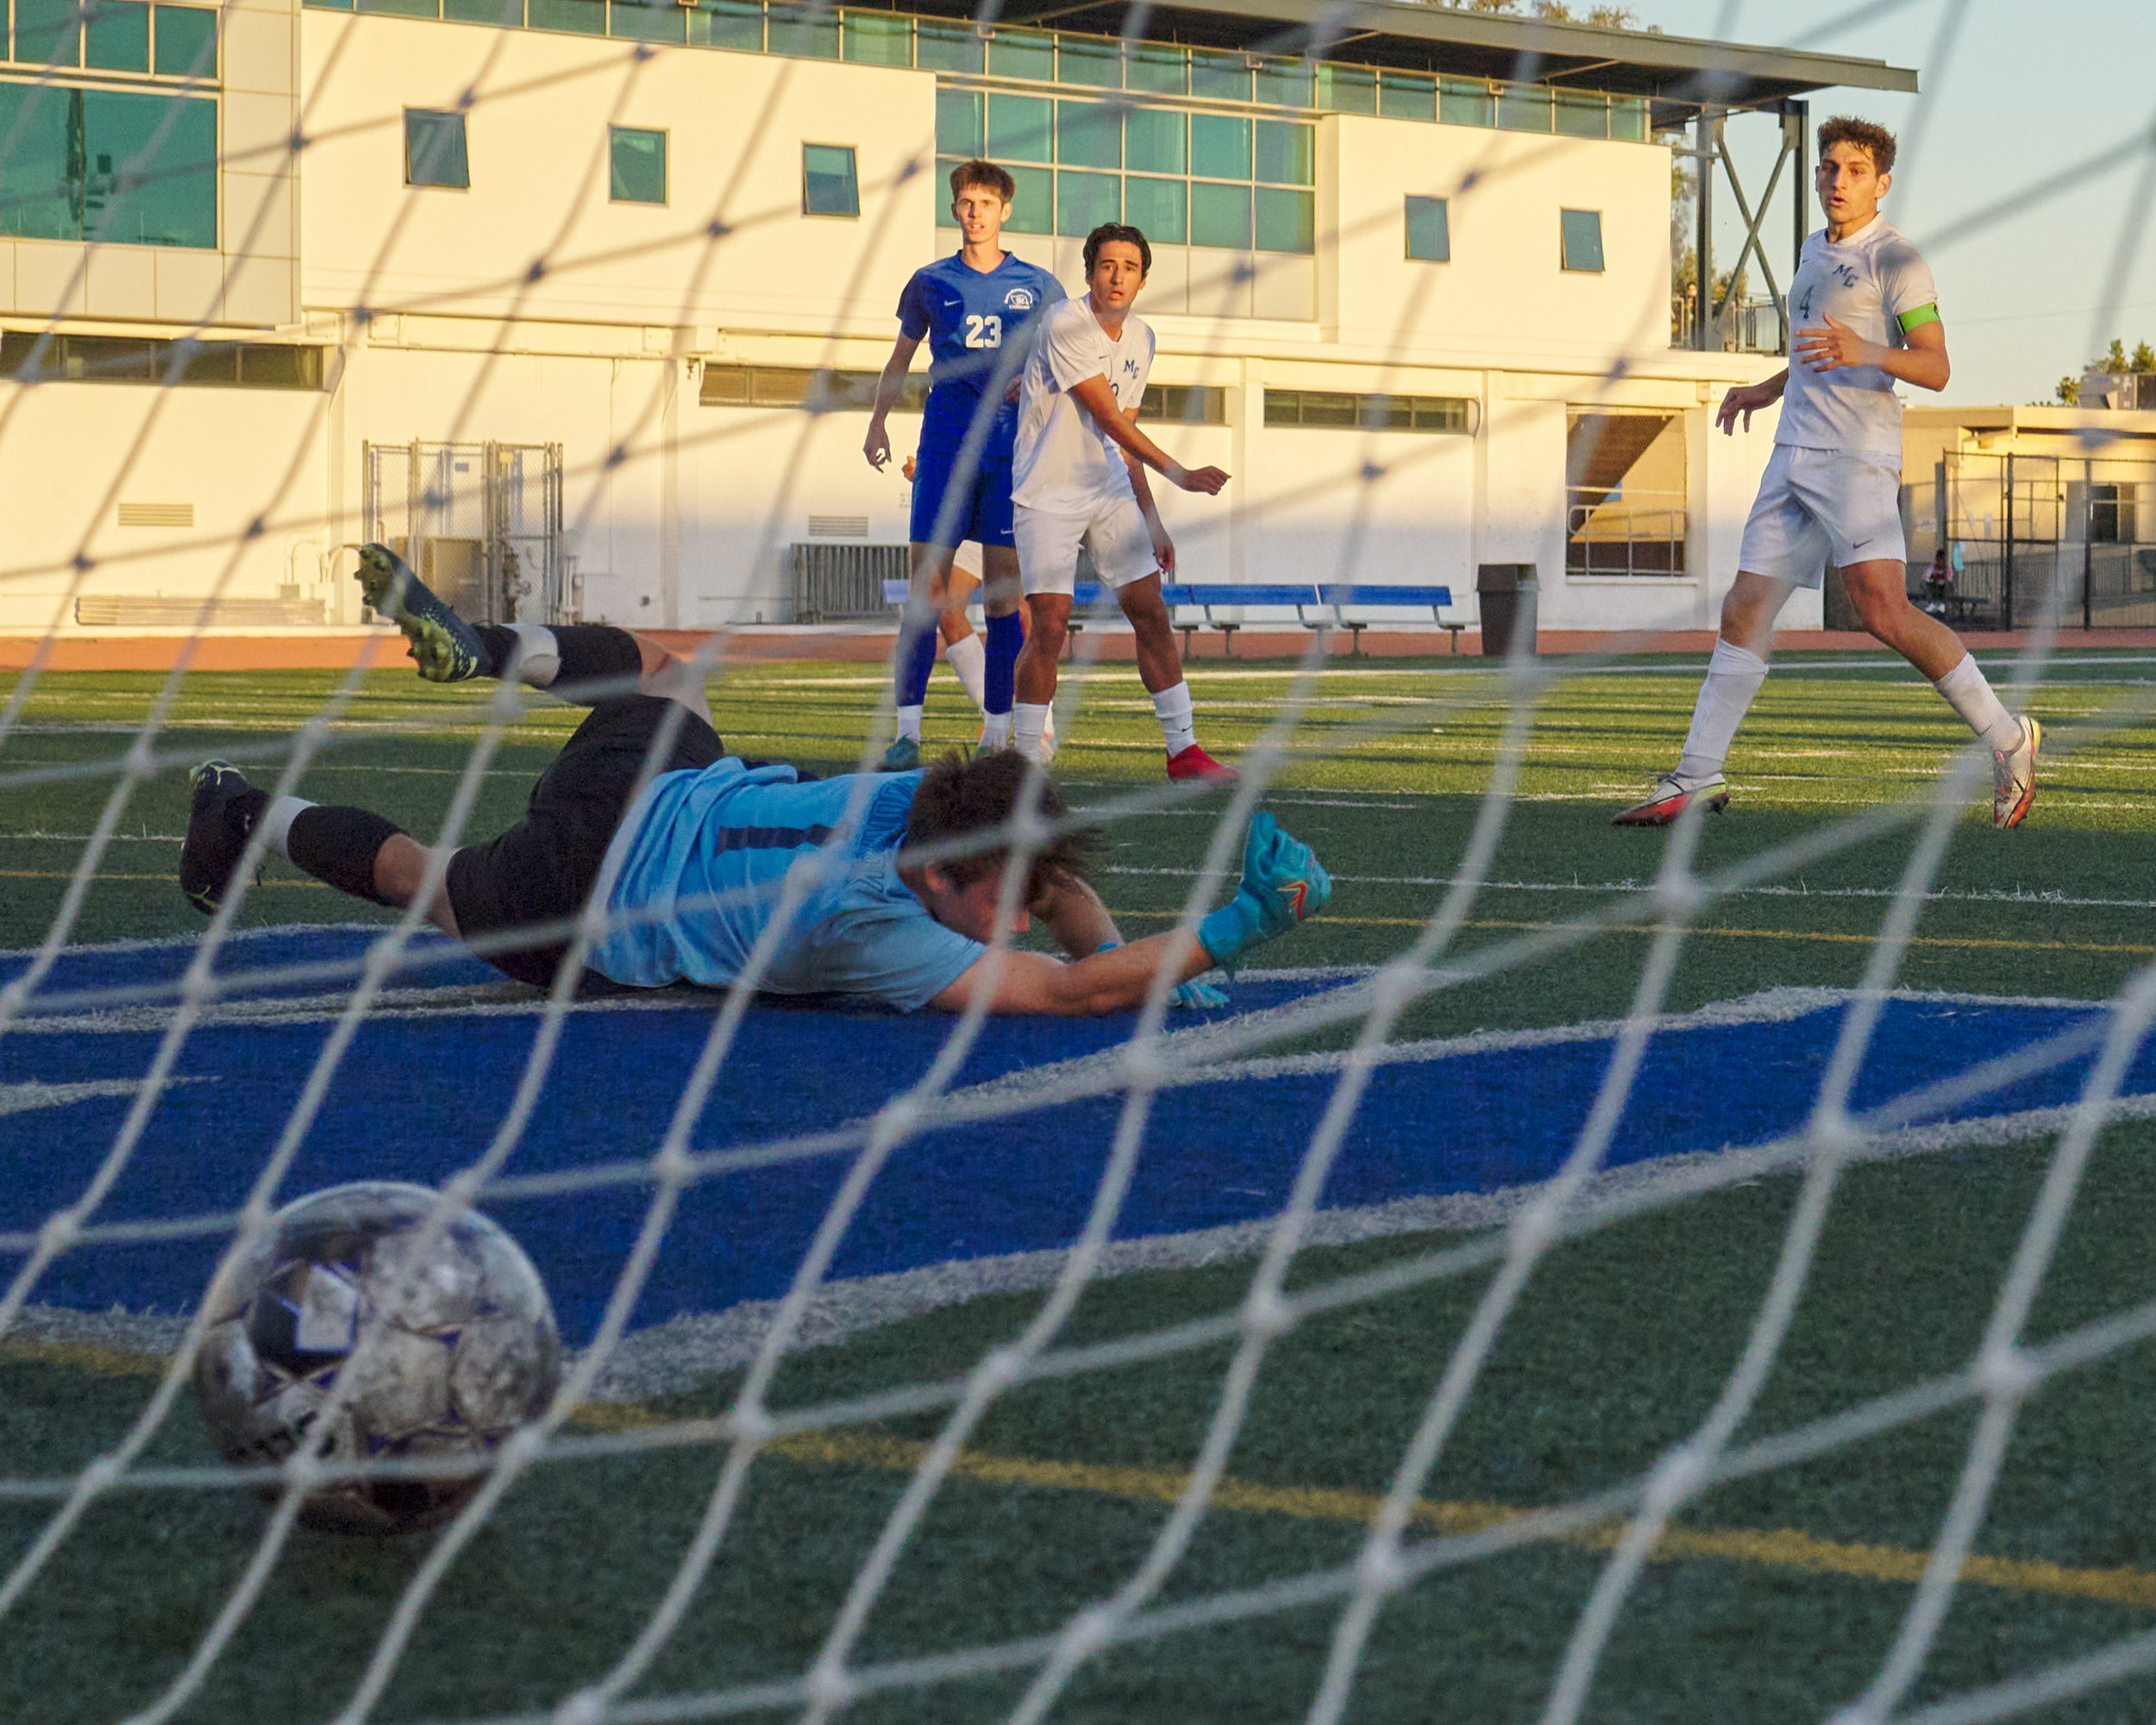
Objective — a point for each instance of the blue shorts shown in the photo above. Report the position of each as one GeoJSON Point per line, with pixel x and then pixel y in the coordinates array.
{"type": "Point", "coordinates": [980, 504]}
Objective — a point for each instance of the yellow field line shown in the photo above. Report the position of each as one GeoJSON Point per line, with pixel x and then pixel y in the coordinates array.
{"type": "Point", "coordinates": [1783, 1548]}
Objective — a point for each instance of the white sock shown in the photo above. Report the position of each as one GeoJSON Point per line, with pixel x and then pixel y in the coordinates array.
{"type": "Point", "coordinates": [1968, 694]}
{"type": "Point", "coordinates": [1172, 707]}
{"type": "Point", "coordinates": [1027, 723]}
{"type": "Point", "coordinates": [536, 658]}
{"type": "Point", "coordinates": [910, 724]}
{"type": "Point", "coordinates": [1733, 676]}
{"type": "Point", "coordinates": [995, 731]}
{"type": "Point", "coordinates": [277, 821]}
{"type": "Point", "coordinates": [969, 660]}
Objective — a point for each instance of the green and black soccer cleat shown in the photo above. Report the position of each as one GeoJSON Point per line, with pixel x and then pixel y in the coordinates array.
{"type": "Point", "coordinates": [218, 819]}
{"type": "Point", "coordinates": [446, 648]}
{"type": "Point", "coordinates": [902, 756]}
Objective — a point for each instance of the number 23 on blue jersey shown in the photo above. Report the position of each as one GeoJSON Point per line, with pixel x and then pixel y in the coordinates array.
{"type": "Point", "coordinates": [983, 331]}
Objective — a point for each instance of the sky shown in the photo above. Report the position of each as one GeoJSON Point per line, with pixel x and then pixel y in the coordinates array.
{"type": "Point", "coordinates": [2016, 95]}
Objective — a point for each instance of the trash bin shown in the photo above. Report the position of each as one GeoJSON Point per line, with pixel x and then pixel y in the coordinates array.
{"type": "Point", "coordinates": [1506, 594]}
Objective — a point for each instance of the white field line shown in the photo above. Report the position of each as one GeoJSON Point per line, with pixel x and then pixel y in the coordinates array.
{"type": "Point", "coordinates": [22, 1099]}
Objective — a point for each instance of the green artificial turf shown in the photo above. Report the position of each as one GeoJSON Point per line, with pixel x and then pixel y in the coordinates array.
{"type": "Point", "coordinates": [1617, 1349]}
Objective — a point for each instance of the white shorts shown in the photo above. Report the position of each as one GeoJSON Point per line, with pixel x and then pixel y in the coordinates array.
{"type": "Point", "coordinates": [1817, 507]}
{"type": "Point", "coordinates": [1115, 532]}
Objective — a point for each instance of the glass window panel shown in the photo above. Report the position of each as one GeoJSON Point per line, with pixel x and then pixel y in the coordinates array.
{"type": "Point", "coordinates": [1582, 114]}
{"type": "Point", "coordinates": [39, 197]}
{"type": "Point", "coordinates": [1023, 53]}
{"type": "Point", "coordinates": [1440, 413]}
{"type": "Point", "coordinates": [576, 18]}
{"type": "Point", "coordinates": [1287, 221]}
{"type": "Point", "coordinates": [1466, 102]}
{"type": "Point", "coordinates": [1021, 129]}
{"type": "Point", "coordinates": [118, 36]}
{"type": "Point", "coordinates": [210, 362]}
{"type": "Point", "coordinates": [725, 386]}
{"type": "Point", "coordinates": [1186, 404]}
{"type": "Point", "coordinates": [150, 166]}
{"type": "Point", "coordinates": [434, 149]}
{"type": "Point", "coordinates": [1523, 108]}
{"type": "Point", "coordinates": [1220, 77]}
{"type": "Point", "coordinates": [1165, 71]}
{"type": "Point", "coordinates": [947, 47]}
{"type": "Point", "coordinates": [1084, 201]}
{"type": "Point", "coordinates": [1330, 409]}
{"type": "Point", "coordinates": [1159, 208]}
{"type": "Point", "coordinates": [639, 165]}
{"type": "Point", "coordinates": [400, 9]}
{"type": "Point", "coordinates": [1220, 216]}
{"type": "Point", "coordinates": [1582, 239]}
{"type": "Point", "coordinates": [1629, 119]}
{"type": "Point", "coordinates": [1348, 89]}
{"type": "Point", "coordinates": [736, 24]}
{"type": "Point", "coordinates": [47, 33]}
{"type": "Point", "coordinates": [958, 122]}
{"type": "Point", "coordinates": [1033, 204]}
{"type": "Point", "coordinates": [509, 13]}
{"type": "Point", "coordinates": [829, 185]}
{"type": "Point", "coordinates": [1429, 230]}
{"type": "Point", "coordinates": [647, 20]}
{"type": "Point", "coordinates": [1089, 134]}
{"type": "Point", "coordinates": [1406, 96]}
{"type": "Point", "coordinates": [1286, 153]}
{"type": "Point", "coordinates": [1153, 141]}
{"type": "Point", "coordinates": [877, 38]}
{"type": "Point", "coordinates": [796, 28]}
{"type": "Point", "coordinates": [1089, 60]}
{"type": "Point", "coordinates": [329, 5]}
{"type": "Point", "coordinates": [1220, 147]}
{"type": "Point", "coordinates": [268, 367]}
{"type": "Point", "coordinates": [1285, 83]}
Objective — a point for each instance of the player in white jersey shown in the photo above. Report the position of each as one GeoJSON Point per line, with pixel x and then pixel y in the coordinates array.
{"type": "Point", "coordinates": [1866, 315]}
{"type": "Point", "coordinates": [1078, 478]}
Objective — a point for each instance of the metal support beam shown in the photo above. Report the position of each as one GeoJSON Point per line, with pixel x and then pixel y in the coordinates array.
{"type": "Point", "coordinates": [1753, 221]}
{"type": "Point", "coordinates": [1706, 145]}
{"type": "Point", "coordinates": [1796, 135]}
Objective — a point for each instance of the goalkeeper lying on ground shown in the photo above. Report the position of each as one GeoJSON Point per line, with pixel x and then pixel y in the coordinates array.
{"type": "Point", "coordinates": [692, 866]}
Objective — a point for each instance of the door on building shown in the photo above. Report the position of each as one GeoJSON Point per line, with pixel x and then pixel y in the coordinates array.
{"type": "Point", "coordinates": [481, 523]}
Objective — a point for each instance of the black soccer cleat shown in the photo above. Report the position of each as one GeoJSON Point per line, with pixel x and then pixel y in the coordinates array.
{"type": "Point", "coordinates": [217, 823]}
{"type": "Point", "coordinates": [446, 648]}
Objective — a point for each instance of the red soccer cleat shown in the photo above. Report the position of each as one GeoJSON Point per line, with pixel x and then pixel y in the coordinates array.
{"type": "Point", "coordinates": [1195, 763]}
{"type": "Point", "coordinates": [1670, 797]}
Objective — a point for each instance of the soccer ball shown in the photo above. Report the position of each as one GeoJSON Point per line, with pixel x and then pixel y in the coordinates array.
{"type": "Point", "coordinates": [442, 1353]}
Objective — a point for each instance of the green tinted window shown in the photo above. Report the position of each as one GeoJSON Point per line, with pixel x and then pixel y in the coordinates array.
{"type": "Point", "coordinates": [638, 164]}
{"type": "Point", "coordinates": [1220, 216]}
{"type": "Point", "coordinates": [1084, 201]}
{"type": "Point", "coordinates": [1165, 71]}
{"type": "Point", "coordinates": [1349, 88]}
{"type": "Point", "coordinates": [736, 24]}
{"type": "Point", "coordinates": [1629, 119]}
{"type": "Point", "coordinates": [1159, 208]}
{"type": "Point", "coordinates": [434, 149]}
{"type": "Point", "coordinates": [1406, 96]}
{"type": "Point", "coordinates": [117, 37]}
{"type": "Point", "coordinates": [1286, 153]}
{"type": "Point", "coordinates": [875, 38]}
{"type": "Point", "coordinates": [187, 41]}
{"type": "Point", "coordinates": [42, 197]}
{"type": "Point", "coordinates": [958, 122]}
{"type": "Point", "coordinates": [1086, 59]}
{"type": "Point", "coordinates": [1220, 147]}
{"type": "Point", "coordinates": [402, 9]}
{"type": "Point", "coordinates": [647, 20]}
{"type": "Point", "coordinates": [1582, 239]}
{"type": "Point", "coordinates": [47, 33]}
{"type": "Point", "coordinates": [1287, 221]}
{"type": "Point", "coordinates": [1581, 114]}
{"type": "Point", "coordinates": [1429, 230]}
{"type": "Point", "coordinates": [1466, 102]}
{"type": "Point", "coordinates": [575, 17]}
{"type": "Point", "coordinates": [947, 47]}
{"type": "Point", "coordinates": [1023, 53]}
{"type": "Point", "coordinates": [1033, 204]}
{"type": "Point", "coordinates": [1087, 135]}
{"type": "Point", "coordinates": [1284, 83]}
{"type": "Point", "coordinates": [800, 29]}
{"type": "Point", "coordinates": [509, 13]}
{"type": "Point", "coordinates": [1153, 139]}
{"type": "Point", "coordinates": [151, 169]}
{"type": "Point", "coordinates": [1220, 77]}
{"type": "Point", "coordinates": [1523, 108]}
{"type": "Point", "coordinates": [1021, 129]}
{"type": "Point", "coordinates": [829, 184]}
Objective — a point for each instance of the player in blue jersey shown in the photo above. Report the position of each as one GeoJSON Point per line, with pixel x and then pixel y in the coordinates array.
{"type": "Point", "coordinates": [883, 888]}
{"type": "Point", "coordinates": [977, 311]}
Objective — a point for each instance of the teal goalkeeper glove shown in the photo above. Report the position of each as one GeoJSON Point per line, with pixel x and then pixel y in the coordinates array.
{"type": "Point", "coordinates": [1283, 882]}
{"type": "Point", "coordinates": [1199, 995]}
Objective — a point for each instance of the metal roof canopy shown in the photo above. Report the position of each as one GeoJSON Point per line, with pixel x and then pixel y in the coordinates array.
{"type": "Point", "coordinates": [1677, 73]}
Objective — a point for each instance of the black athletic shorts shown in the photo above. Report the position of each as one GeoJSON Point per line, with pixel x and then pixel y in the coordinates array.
{"type": "Point", "coordinates": [542, 869]}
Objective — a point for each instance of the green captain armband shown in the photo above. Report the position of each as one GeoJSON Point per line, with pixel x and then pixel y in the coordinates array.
{"type": "Point", "coordinates": [1918, 319]}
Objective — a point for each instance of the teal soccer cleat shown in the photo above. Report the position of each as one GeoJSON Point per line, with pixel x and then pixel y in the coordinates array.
{"type": "Point", "coordinates": [902, 756]}
{"type": "Point", "coordinates": [446, 648]}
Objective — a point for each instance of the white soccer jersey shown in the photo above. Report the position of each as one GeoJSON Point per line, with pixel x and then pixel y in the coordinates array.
{"type": "Point", "coordinates": [1869, 282]}
{"type": "Point", "coordinates": [1063, 461]}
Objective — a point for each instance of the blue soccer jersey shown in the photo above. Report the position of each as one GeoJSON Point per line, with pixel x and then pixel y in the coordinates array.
{"type": "Point", "coordinates": [699, 870]}
{"type": "Point", "coordinates": [979, 326]}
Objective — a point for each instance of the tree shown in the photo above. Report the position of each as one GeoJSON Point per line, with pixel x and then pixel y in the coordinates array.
{"type": "Point", "coordinates": [2070, 391]}
{"type": "Point", "coordinates": [2113, 360]}
{"type": "Point", "coordinates": [1560, 12]}
{"type": "Point", "coordinates": [2144, 359]}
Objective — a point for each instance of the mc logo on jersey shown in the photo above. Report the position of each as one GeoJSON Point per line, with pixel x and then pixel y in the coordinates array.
{"type": "Point", "coordinates": [1019, 300]}
{"type": "Point", "coordinates": [1130, 368]}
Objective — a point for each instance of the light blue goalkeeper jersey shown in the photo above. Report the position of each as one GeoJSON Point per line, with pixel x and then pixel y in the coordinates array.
{"type": "Point", "coordinates": [699, 867]}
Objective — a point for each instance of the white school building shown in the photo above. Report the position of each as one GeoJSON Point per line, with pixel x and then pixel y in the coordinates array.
{"type": "Point", "coordinates": [581, 301]}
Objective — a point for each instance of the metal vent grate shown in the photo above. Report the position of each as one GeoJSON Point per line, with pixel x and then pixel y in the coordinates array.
{"type": "Point", "coordinates": [157, 515]}
{"type": "Point", "coordinates": [838, 527]}
{"type": "Point", "coordinates": [844, 583]}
